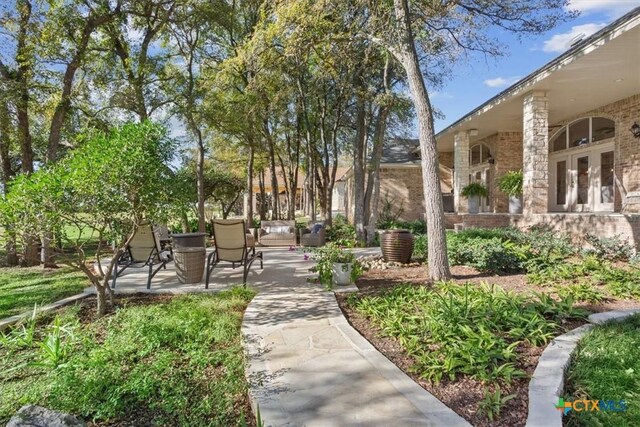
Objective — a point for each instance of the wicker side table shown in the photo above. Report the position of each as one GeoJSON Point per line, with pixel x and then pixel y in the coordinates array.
{"type": "Point", "coordinates": [189, 264]}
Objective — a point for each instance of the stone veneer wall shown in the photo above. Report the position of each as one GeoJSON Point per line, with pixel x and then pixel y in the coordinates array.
{"type": "Point", "coordinates": [535, 137]}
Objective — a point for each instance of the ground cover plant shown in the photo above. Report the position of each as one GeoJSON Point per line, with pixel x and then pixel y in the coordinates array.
{"type": "Point", "coordinates": [470, 335]}
{"type": "Point", "coordinates": [454, 330]}
{"type": "Point", "coordinates": [156, 360]}
{"type": "Point", "coordinates": [606, 366]}
{"type": "Point", "coordinates": [22, 288]}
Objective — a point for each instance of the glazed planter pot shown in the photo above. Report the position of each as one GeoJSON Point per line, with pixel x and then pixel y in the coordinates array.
{"type": "Point", "coordinates": [515, 204]}
{"type": "Point", "coordinates": [396, 245]}
{"type": "Point", "coordinates": [342, 274]}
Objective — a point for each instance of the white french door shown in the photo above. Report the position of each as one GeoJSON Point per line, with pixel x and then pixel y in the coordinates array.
{"type": "Point", "coordinates": [582, 181]}
{"type": "Point", "coordinates": [482, 175]}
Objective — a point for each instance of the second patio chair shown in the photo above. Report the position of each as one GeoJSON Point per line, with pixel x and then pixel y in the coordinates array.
{"type": "Point", "coordinates": [231, 246]}
{"type": "Point", "coordinates": [143, 250]}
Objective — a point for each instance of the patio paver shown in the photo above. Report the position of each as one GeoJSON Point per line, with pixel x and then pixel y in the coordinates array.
{"type": "Point", "coordinates": [306, 364]}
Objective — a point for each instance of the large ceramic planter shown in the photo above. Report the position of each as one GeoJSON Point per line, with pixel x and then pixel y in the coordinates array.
{"type": "Point", "coordinates": [396, 245]}
{"type": "Point", "coordinates": [474, 204]}
{"type": "Point", "coordinates": [515, 204]}
{"type": "Point", "coordinates": [342, 274]}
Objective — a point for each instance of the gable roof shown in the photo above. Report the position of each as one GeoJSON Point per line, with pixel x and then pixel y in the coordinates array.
{"type": "Point", "coordinates": [400, 151]}
{"type": "Point", "coordinates": [596, 71]}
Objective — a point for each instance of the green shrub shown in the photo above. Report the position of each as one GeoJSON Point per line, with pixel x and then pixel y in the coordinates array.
{"type": "Point", "coordinates": [416, 227]}
{"type": "Point", "coordinates": [420, 247]}
{"type": "Point", "coordinates": [342, 233]}
{"type": "Point", "coordinates": [610, 248]}
{"type": "Point", "coordinates": [469, 330]}
{"type": "Point", "coordinates": [487, 255]}
{"type": "Point", "coordinates": [511, 183]}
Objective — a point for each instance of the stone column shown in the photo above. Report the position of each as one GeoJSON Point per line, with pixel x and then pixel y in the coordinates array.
{"type": "Point", "coordinates": [460, 170]}
{"type": "Point", "coordinates": [535, 153]}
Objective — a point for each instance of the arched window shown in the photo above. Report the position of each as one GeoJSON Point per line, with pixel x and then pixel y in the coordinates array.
{"type": "Point", "coordinates": [479, 153]}
{"type": "Point", "coordinates": [581, 132]}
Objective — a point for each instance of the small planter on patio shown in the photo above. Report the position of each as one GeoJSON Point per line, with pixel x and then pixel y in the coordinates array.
{"type": "Point", "coordinates": [342, 273]}
{"type": "Point", "coordinates": [474, 191]}
{"type": "Point", "coordinates": [396, 245]}
{"type": "Point", "coordinates": [189, 264]}
{"type": "Point", "coordinates": [511, 184]}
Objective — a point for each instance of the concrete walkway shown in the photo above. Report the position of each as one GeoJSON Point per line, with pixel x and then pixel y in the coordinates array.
{"type": "Point", "coordinates": [309, 367]}
{"type": "Point", "coordinates": [306, 365]}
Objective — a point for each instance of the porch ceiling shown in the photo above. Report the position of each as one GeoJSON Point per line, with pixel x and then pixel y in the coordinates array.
{"type": "Point", "coordinates": [598, 71]}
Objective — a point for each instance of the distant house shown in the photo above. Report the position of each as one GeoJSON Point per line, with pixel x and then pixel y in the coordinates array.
{"type": "Point", "coordinates": [572, 128]}
{"type": "Point", "coordinates": [401, 180]}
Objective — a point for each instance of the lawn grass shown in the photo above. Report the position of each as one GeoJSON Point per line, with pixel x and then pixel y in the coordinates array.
{"type": "Point", "coordinates": [21, 288]}
{"type": "Point", "coordinates": [606, 366]}
{"type": "Point", "coordinates": [178, 361]}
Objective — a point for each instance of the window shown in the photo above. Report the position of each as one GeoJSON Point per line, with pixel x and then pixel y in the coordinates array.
{"type": "Point", "coordinates": [479, 153]}
{"type": "Point", "coordinates": [582, 132]}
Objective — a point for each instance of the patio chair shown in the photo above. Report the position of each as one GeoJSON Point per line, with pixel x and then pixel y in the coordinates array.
{"type": "Point", "coordinates": [231, 246]}
{"type": "Point", "coordinates": [314, 235]}
{"type": "Point", "coordinates": [143, 250]}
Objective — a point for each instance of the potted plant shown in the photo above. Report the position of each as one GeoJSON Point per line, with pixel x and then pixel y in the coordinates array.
{"type": "Point", "coordinates": [473, 192]}
{"type": "Point", "coordinates": [335, 265]}
{"type": "Point", "coordinates": [511, 184]}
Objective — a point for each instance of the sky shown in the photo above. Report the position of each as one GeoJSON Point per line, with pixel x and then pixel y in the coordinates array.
{"type": "Point", "coordinates": [476, 81]}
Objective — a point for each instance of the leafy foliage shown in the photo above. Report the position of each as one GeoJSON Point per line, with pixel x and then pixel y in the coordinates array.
{"type": "Point", "coordinates": [420, 246]}
{"type": "Point", "coordinates": [342, 233]}
{"type": "Point", "coordinates": [465, 330]}
{"type": "Point", "coordinates": [328, 255]}
{"type": "Point", "coordinates": [511, 183]}
{"type": "Point", "coordinates": [610, 248]}
{"type": "Point", "coordinates": [180, 360]}
{"type": "Point", "coordinates": [492, 403]}
{"type": "Point", "coordinates": [108, 185]}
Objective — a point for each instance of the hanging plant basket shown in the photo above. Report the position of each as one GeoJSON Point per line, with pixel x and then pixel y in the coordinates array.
{"type": "Point", "coordinates": [396, 245]}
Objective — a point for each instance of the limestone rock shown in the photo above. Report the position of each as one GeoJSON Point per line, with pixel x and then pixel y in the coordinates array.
{"type": "Point", "coordinates": [32, 415]}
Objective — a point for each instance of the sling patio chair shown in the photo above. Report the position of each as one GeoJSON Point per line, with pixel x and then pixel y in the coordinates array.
{"type": "Point", "coordinates": [143, 250]}
{"type": "Point", "coordinates": [231, 246]}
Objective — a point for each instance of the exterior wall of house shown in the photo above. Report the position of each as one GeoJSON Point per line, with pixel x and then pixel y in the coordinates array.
{"type": "Point", "coordinates": [446, 159]}
{"type": "Point", "coordinates": [627, 149]}
{"type": "Point", "coordinates": [401, 189]}
{"type": "Point", "coordinates": [576, 225]}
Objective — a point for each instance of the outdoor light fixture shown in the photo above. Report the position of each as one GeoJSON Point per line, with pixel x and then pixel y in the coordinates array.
{"type": "Point", "coordinates": [635, 129]}
{"type": "Point", "coordinates": [473, 132]}
{"type": "Point", "coordinates": [490, 159]}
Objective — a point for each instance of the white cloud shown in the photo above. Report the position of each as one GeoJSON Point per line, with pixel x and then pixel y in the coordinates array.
{"type": "Point", "coordinates": [613, 8]}
{"type": "Point", "coordinates": [561, 42]}
{"type": "Point", "coordinates": [501, 81]}
{"type": "Point", "coordinates": [441, 95]}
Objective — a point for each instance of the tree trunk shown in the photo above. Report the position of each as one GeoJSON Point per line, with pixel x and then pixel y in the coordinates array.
{"type": "Point", "coordinates": [372, 195]}
{"type": "Point", "coordinates": [200, 180]}
{"type": "Point", "coordinates": [7, 174]}
{"type": "Point", "coordinates": [358, 170]}
{"type": "Point", "coordinates": [249, 212]}
{"type": "Point", "coordinates": [408, 57]}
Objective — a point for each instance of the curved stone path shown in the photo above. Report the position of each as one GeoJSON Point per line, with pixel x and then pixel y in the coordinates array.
{"type": "Point", "coordinates": [308, 367]}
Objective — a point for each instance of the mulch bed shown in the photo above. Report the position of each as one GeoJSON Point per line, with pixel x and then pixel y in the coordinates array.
{"type": "Point", "coordinates": [464, 394]}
